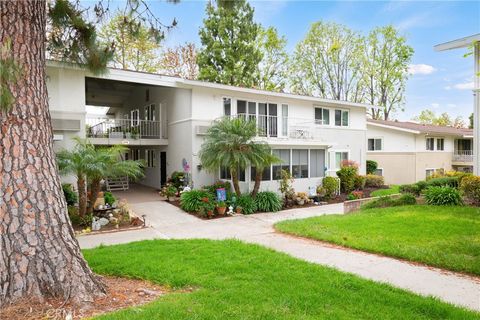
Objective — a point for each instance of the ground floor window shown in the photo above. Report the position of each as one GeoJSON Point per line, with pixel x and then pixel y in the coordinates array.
{"type": "Point", "coordinates": [339, 158]}
{"type": "Point", "coordinates": [378, 172]}
{"type": "Point", "coordinates": [265, 174]}
{"type": "Point", "coordinates": [135, 154]}
{"type": "Point", "coordinates": [300, 163]}
{"type": "Point", "coordinates": [429, 172]}
{"type": "Point", "coordinates": [225, 174]}
{"type": "Point", "coordinates": [150, 156]}
{"type": "Point", "coordinates": [284, 155]}
{"type": "Point", "coordinates": [317, 163]}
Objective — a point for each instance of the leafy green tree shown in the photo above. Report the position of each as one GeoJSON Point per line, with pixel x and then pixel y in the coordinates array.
{"type": "Point", "coordinates": [273, 68]}
{"type": "Point", "coordinates": [470, 121]}
{"type": "Point", "coordinates": [385, 70]}
{"type": "Point", "coordinates": [229, 143]}
{"type": "Point", "coordinates": [229, 52]}
{"type": "Point", "coordinates": [429, 117]}
{"type": "Point", "coordinates": [327, 63]}
{"type": "Point", "coordinates": [27, 161]}
{"type": "Point", "coordinates": [136, 47]}
{"type": "Point", "coordinates": [181, 61]}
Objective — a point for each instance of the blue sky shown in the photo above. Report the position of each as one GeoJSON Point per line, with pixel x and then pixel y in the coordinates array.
{"type": "Point", "coordinates": [442, 81]}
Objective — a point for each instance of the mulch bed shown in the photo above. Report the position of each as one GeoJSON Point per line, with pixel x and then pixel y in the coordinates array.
{"type": "Point", "coordinates": [121, 293]}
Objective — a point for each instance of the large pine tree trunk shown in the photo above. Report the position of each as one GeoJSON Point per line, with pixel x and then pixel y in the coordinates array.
{"type": "Point", "coordinates": [39, 255]}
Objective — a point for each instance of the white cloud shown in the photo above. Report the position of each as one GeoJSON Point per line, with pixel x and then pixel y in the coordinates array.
{"type": "Point", "coordinates": [451, 105]}
{"type": "Point", "coordinates": [421, 69]}
{"type": "Point", "coordinates": [464, 86]}
{"type": "Point", "coordinates": [435, 105]}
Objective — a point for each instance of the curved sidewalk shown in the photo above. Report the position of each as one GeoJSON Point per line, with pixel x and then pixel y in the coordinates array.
{"type": "Point", "coordinates": [169, 222]}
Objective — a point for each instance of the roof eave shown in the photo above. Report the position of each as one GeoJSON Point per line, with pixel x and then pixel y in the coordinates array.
{"type": "Point", "coordinates": [458, 43]}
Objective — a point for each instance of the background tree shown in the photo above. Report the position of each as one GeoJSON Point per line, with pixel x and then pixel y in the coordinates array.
{"type": "Point", "coordinates": [327, 63]}
{"type": "Point", "coordinates": [273, 68]}
{"type": "Point", "coordinates": [181, 61]}
{"type": "Point", "coordinates": [429, 117]}
{"type": "Point", "coordinates": [229, 52]}
{"type": "Point", "coordinates": [39, 255]}
{"type": "Point", "coordinates": [385, 70]}
{"type": "Point", "coordinates": [135, 46]}
{"type": "Point", "coordinates": [229, 144]}
{"type": "Point", "coordinates": [470, 121]}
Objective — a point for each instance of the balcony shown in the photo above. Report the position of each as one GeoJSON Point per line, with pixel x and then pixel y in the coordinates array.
{"type": "Point", "coordinates": [127, 131]}
{"type": "Point", "coordinates": [463, 156]}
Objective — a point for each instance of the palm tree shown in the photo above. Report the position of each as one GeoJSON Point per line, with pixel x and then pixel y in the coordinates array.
{"type": "Point", "coordinates": [229, 143]}
{"type": "Point", "coordinates": [90, 164]}
{"type": "Point", "coordinates": [108, 163]}
{"type": "Point", "coordinates": [265, 159]}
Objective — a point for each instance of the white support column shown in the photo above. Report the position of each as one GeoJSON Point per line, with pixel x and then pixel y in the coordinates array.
{"type": "Point", "coordinates": [476, 110]}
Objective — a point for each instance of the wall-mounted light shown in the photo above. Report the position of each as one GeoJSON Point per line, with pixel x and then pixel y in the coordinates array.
{"type": "Point", "coordinates": [199, 167]}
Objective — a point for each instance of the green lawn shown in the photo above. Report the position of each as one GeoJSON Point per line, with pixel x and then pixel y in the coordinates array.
{"type": "Point", "coordinates": [446, 237]}
{"type": "Point", "coordinates": [234, 280]}
{"type": "Point", "coordinates": [393, 189]}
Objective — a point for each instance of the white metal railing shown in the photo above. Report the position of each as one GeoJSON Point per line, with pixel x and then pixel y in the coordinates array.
{"type": "Point", "coordinates": [463, 155]}
{"type": "Point", "coordinates": [123, 128]}
{"type": "Point", "coordinates": [285, 127]}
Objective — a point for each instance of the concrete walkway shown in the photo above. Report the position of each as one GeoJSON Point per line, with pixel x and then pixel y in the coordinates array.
{"type": "Point", "coordinates": [169, 222]}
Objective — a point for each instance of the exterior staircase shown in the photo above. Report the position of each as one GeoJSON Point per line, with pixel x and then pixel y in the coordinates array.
{"type": "Point", "coordinates": [117, 184]}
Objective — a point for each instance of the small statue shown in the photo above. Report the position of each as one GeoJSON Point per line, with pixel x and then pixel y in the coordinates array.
{"type": "Point", "coordinates": [95, 224]}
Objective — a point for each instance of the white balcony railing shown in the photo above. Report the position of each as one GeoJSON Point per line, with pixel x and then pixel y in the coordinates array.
{"type": "Point", "coordinates": [463, 156]}
{"type": "Point", "coordinates": [285, 127]}
{"type": "Point", "coordinates": [123, 129]}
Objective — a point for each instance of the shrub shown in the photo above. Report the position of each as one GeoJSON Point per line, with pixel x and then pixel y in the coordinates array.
{"type": "Point", "coordinates": [360, 182]}
{"type": "Point", "coordinates": [191, 201]}
{"type": "Point", "coordinates": [422, 185]}
{"type": "Point", "coordinates": [218, 185]}
{"type": "Point", "coordinates": [177, 179]}
{"type": "Point", "coordinates": [268, 201]}
{"type": "Point", "coordinates": [374, 181]}
{"type": "Point", "coordinates": [410, 189]}
{"type": "Point", "coordinates": [470, 185]}
{"type": "Point", "coordinates": [372, 166]}
{"type": "Point", "coordinates": [247, 203]}
{"type": "Point", "coordinates": [384, 202]}
{"type": "Point", "coordinates": [70, 195]}
{"type": "Point", "coordinates": [347, 176]}
{"type": "Point", "coordinates": [355, 195]}
{"type": "Point", "coordinates": [109, 198]}
{"type": "Point", "coordinates": [443, 181]}
{"type": "Point", "coordinates": [168, 191]}
{"type": "Point", "coordinates": [330, 187]}
{"type": "Point", "coordinates": [443, 196]}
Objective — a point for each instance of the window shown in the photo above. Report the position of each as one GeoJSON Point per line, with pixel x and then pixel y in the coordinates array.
{"type": "Point", "coordinates": [317, 163]}
{"type": "Point", "coordinates": [339, 157]}
{"type": "Point", "coordinates": [440, 144]}
{"type": "Point", "coordinates": [265, 174]}
{"type": "Point", "coordinates": [341, 118]}
{"type": "Point", "coordinates": [284, 155]}
{"type": "Point", "coordinates": [136, 154]}
{"type": "Point", "coordinates": [379, 172]}
{"type": "Point", "coordinates": [227, 106]}
{"type": "Point", "coordinates": [374, 144]}
{"type": "Point", "coordinates": [225, 174]}
{"type": "Point", "coordinates": [429, 172]}
{"type": "Point", "coordinates": [150, 155]}
{"type": "Point", "coordinates": [135, 117]}
{"type": "Point", "coordinates": [241, 107]}
{"type": "Point", "coordinates": [150, 112]}
{"type": "Point", "coordinates": [300, 163]}
{"type": "Point", "coordinates": [322, 116]}
{"type": "Point", "coordinates": [430, 144]}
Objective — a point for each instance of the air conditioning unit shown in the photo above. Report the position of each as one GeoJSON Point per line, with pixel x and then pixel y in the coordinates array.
{"type": "Point", "coordinates": [201, 130]}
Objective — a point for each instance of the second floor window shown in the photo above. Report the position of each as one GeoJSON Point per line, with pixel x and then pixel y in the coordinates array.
{"type": "Point", "coordinates": [430, 144]}
{"type": "Point", "coordinates": [150, 112]}
{"type": "Point", "coordinates": [374, 144]}
{"type": "Point", "coordinates": [440, 144]}
{"type": "Point", "coordinates": [341, 118]}
{"type": "Point", "coordinates": [227, 106]}
{"type": "Point", "coordinates": [322, 116]}
{"type": "Point", "coordinates": [135, 117]}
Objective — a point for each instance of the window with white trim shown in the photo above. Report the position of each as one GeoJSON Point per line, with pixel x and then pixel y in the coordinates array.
{"type": "Point", "coordinates": [339, 158]}
{"type": "Point", "coordinates": [317, 163]}
{"type": "Point", "coordinates": [341, 118]}
{"type": "Point", "coordinates": [429, 172]}
{"type": "Point", "coordinates": [150, 112]}
{"type": "Point", "coordinates": [135, 117]}
{"type": "Point", "coordinates": [378, 172]}
{"type": "Point", "coordinates": [322, 116]}
{"type": "Point", "coordinates": [440, 144]}
{"type": "Point", "coordinates": [227, 107]}
{"type": "Point", "coordinates": [135, 154]}
{"type": "Point", "coordinates": [225, 174]}
{"type": "Point", "coordinates": [374, 144]}
{"type": "Point", "coordinates": [430, 144]}
{"type": "Point", "coordinates": [150, 156]}
{"type": "Point", "coordinates": [284, 155]}
{"type": "Point", "coordinates": [300, 163]}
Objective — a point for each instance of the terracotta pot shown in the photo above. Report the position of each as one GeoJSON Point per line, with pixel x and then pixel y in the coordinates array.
{"type": "Point", "coordinates": [210, 213]}
{"type": "Point", "coordinates": [238, 210]}
{"type": "Point", "coordinates": [221, 210]}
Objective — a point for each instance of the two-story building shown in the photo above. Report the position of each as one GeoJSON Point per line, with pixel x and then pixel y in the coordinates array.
{"type": "Point", "coordinates": [407, 152]}
{"type": "Point", "coordinates": [164, 119]}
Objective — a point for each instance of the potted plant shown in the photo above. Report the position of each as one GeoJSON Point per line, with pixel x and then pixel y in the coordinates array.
{"type": "Point", "coordinates": [128, 134]}
{"type": "Point", "coordinates": [238, 210]}
{"type": "Point", "coordinates": [209, 207]}
{"type": "Point", "coordinates": [134, 132]}
{"type": "Point", "coordinates": [221, 207]}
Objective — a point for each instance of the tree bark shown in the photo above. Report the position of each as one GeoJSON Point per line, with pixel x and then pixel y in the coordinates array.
{"type": "Point", "coordinates": [39, 255]}
{"type": "Point", "coordinates": [258, 181]}
{"type": "Point", "coordinates": [236, 186]}
{"type": "Point", "coordinates": [94, 191]}
{"type": "Point", "coordinates": [82, 196]}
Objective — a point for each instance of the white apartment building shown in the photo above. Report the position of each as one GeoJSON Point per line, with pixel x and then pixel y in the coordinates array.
{"type": "Point", "coordinates": [407, 152]}
{"type": "Point", "coordinates": [164, 119]}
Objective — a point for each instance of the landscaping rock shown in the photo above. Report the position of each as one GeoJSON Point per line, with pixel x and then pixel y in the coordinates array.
{"type": "Point", "coordinates": [103, 221]}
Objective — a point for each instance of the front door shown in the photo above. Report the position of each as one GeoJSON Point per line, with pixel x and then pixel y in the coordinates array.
{"type": "Point", "coordinates": [163, 168]}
